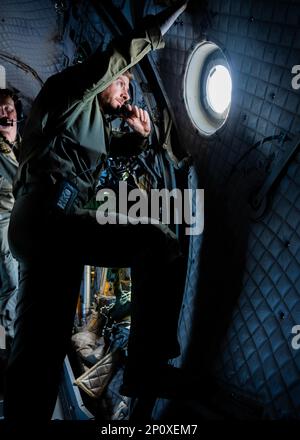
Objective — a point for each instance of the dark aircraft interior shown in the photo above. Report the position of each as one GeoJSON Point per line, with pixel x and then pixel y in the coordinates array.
{"type": "Point", "coordinates": [223, 97]}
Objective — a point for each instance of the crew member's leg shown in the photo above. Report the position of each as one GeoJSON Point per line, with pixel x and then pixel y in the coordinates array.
{"type": "Point", "coordinates": [48, 294]}
{"type": "Point", "coordinates": [156, 302]}
{"type": "Point", "coordinates": [49, 287]}
{"type": "Point", "coordinates": [158, 277]}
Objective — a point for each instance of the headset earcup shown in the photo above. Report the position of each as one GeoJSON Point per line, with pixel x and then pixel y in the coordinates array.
{"type": "Point", "coordinates": [19, 109]}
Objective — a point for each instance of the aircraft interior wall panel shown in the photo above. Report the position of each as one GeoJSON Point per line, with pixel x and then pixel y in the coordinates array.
{"type": "Point", "coordinates": [248, 273]}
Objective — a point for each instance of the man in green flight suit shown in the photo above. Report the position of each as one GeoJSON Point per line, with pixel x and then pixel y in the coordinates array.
{"type": "Point", "coordinates": [65, 139]}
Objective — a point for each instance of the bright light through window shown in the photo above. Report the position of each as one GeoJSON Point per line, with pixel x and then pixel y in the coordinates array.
{"type": "Point", "coordinates": [218, 88]}
{"type": "Point", "coordinates": [207, 88]}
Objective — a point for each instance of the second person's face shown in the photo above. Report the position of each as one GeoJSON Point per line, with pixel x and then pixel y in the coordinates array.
{"type": "Point", "coordinates": [8, 110]}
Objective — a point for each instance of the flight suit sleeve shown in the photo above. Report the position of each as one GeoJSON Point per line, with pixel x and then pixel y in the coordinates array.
{"type": "Point", "coordinates": [8, 166]}
{"type": "Point", "coordinates": [102, 69]}
{"type": "Point", "coordinates": [77, 85]}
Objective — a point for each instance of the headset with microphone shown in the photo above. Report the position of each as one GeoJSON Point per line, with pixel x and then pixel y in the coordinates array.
{"type": "Point", "coordinates": [8, 122]}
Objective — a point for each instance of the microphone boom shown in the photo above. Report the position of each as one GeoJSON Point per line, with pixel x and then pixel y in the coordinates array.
{"type": "Point", "coordinates": [5, 122]}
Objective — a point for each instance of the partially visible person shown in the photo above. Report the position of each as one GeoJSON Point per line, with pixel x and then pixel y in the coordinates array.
{"type": "Point", "coordinates": [9, 145]}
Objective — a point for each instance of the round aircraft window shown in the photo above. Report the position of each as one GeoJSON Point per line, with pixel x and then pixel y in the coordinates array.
{"type": "Point", "coordinates": [218, 89]}
{"type": "Point", "coordinates": [207, 88]}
